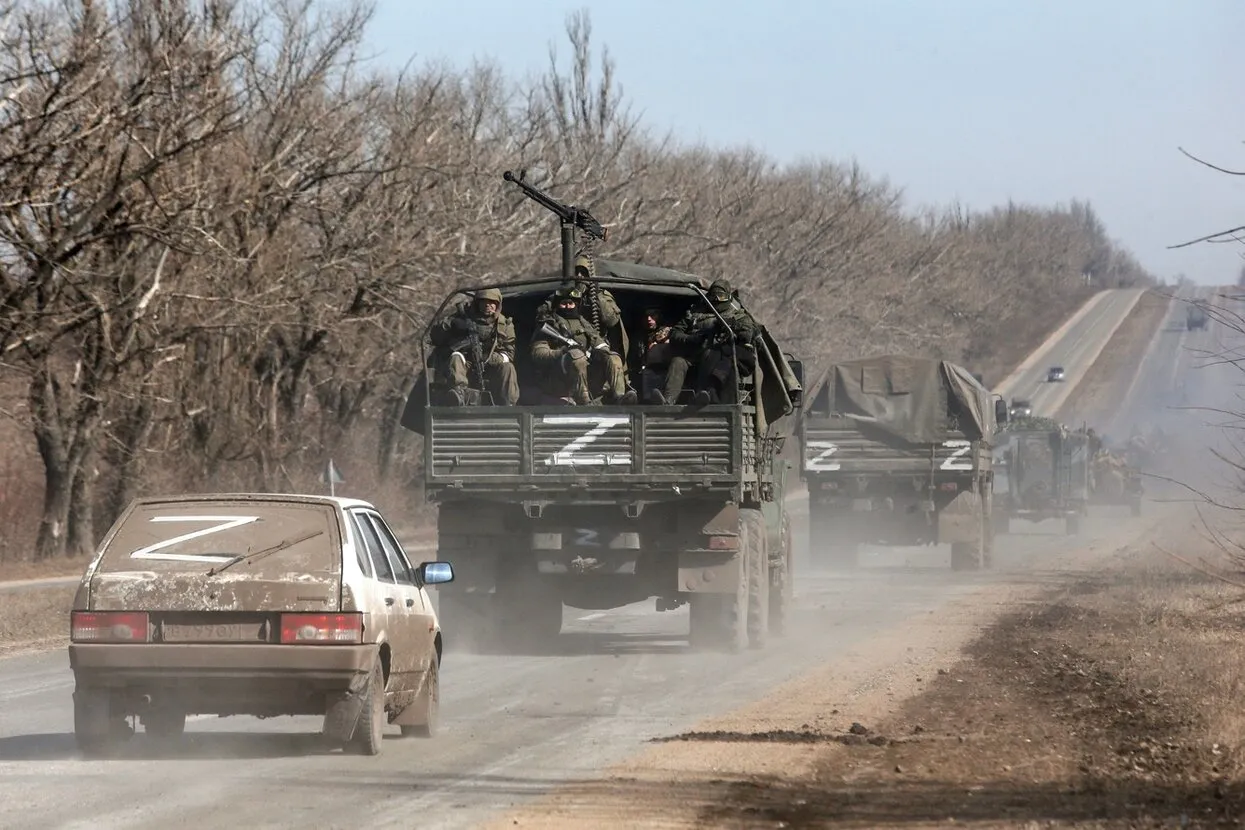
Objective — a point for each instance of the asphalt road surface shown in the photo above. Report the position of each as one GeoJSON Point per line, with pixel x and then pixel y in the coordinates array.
{"type": "Point", "coordinates": [513, 726]}
{"type": "Point", "coordinates": [1075, 350]}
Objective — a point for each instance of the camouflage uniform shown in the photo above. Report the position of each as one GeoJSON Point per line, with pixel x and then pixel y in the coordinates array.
{"type": "Point", "coordinates": [701, 338]}
{"type": "Point", "coordinates": [579, 373]}
{"type": "Point", "coordinates": [661, 371]}
{"type": "Point", "coordinates": [454, 352]}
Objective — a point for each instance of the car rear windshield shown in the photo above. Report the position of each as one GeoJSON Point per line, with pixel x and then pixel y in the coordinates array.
{"type": "Point", "coordinates": [245, 537]}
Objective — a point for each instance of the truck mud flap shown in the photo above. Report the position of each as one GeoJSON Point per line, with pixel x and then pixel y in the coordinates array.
{"type": "Point", "coordinates": [961, 520]}
{"type": "Point", "coordinates": [710, 572]}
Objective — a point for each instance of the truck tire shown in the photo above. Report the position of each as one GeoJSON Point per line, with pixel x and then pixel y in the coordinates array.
{"type": "Point", "coordinates": [469, 617]}
{"type": "Point", "coordinates": [781, 581]}
{"type": "Point", "coordinates": [966, 556]}
{"type": "Point", "coordinates": [529, 614]}
{"type": "Point", "coordinates": [753, 521]}
{"type": "Point", "coordinates": [719, 622]}
{"type": "Point", "coordinates": [1072, 525]}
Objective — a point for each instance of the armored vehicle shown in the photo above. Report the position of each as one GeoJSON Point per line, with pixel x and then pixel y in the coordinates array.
{"type": "Point", "coordinates": [1041, 472]}
{"type": "Point", "coordinates": [898, 450]}
{"type": "Point", "coordinates": [598, 506]}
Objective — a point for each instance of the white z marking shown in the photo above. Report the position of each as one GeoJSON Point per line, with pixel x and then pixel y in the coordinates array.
{"type": "Point", "coordinates": [961, 449]}
{"type": "Point", "coordinates": [585, 538]}
{"type": "Point", "coordinates": [225, 523]}
{"type": "Point", "coordinates": [569, 456]}
{"type": "Point", "coordinates": [822, 462]}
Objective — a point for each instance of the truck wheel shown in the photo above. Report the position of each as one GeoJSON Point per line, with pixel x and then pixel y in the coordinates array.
{"type": "Point", "coordinates": [720, 621]}
{"type": "Point", "coordinates": [529, 614]}
{"type": "Point", "coordinates": [753, 521]}
{"type": "Point", "coordinates": [164, 723]}
{"type": "Point", "coordinates": [428, 706]}
{"type": "Point", "coordinates": [965, 556]}
{"type": "Point", "coordinates": [370, 729]}
{"type": "Point", "coordinates": [781, 582]}
{"type": "Point", "coordinates": [467, 615]}
{"type": "Point", "coordinates": [97, 731]}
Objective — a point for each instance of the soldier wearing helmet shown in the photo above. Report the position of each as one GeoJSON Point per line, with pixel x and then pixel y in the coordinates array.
{"type": "Point", "coordinates": [713, 342]}
{"type": "Point", "coordinates": [578, 364]}
{"type": "Point", "coordinates": [477, 331]}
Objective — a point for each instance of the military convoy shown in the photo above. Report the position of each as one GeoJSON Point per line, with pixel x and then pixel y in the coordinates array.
{"type": "Point", "coordinates": [598, 506]}
{"type": "Point", "coordinates": [898, 450]}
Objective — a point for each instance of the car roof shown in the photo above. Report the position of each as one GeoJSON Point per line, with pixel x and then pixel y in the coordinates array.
{"type": "Point", "coordinates": [287, 498]}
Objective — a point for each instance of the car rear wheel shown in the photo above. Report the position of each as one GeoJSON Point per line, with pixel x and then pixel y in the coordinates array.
{"type": "Point", "coordinates": [428, 706]}
{"type": "Point", "coordinates": [369, 731]}
{"type": "Point", "coordinates": [163, 723]}
{"type": "Point", "coordinates": [96, 730]}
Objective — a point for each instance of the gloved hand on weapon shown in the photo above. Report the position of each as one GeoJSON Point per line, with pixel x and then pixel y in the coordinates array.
{"type": "Point", "coordinates": [461, 324]}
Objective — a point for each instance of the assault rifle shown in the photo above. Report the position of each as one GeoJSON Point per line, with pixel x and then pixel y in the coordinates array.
{"type": "Point", "coordinates": [473, 346]}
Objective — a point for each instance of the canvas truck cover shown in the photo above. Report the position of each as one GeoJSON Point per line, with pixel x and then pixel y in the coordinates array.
{"type": "Point", "coordinates": [914, 399]}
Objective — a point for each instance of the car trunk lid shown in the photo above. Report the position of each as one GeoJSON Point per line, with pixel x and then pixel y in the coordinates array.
{"type": "Point", "coordinates": [243, 559]}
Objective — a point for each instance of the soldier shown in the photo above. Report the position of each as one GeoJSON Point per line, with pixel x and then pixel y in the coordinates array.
{"type": "Point", "coordinates": [477, 339]}
{"type": "Point", "coordinates": [661, 371]}
{"type": "Point", "coordinates": [572, 365]}
{"type": "Point", "coordinates": [701, 337]}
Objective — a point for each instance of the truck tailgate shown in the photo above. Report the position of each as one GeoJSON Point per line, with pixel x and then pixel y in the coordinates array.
{"type": "Point", "coordinates": [845, 450]}
{"type": "Point", "coordinates": [477, 448]}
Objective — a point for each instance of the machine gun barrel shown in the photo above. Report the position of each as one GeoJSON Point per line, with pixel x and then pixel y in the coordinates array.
{"type": "Point", "coordinates": [569, 214]}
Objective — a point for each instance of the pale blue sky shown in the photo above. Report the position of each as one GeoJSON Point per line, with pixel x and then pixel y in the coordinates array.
{"type": "Point", "coordinates": [1035, 100]}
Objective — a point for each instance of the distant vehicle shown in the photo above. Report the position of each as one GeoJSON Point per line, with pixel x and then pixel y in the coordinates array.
{"type": "Point", "coordinates": [255, 604]}
{"type": "Point", "coordinates": [1055, 375]}
{"type": "Point", "coordinates": [1021, 408]}
{"type": "Point", "coordinates": [1195, 318]}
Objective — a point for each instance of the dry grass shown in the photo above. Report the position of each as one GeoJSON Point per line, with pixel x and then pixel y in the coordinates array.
{"type": "Point", "coordinates": [35, 617]}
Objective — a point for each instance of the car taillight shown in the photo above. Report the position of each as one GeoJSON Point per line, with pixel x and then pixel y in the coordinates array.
{"type": "Point", "coordinates": [108, 626]}
{"type": "Point", "coordinates": [322, 628]}
{"type": "Point", "coordinates": [723, 543]}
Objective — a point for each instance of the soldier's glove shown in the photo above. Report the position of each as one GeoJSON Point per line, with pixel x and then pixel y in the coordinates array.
{"type": "Point", "coordinates": [461, 324]}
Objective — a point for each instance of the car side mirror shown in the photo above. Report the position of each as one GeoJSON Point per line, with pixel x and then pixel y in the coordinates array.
{"type": "Point", "coordinates": [1000, 411]}
{"type": "Point", "coordinates": [436, 573]}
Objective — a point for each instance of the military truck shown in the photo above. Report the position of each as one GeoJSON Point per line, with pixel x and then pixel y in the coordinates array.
{"type": "Point", "coordinates": [1195, 317]}
{"type": "Point", "coordinates": [1041, 472]}
{"type": "Point", "coordinates": [598, 506]}
{"type": "Point", "coordinates": [898, 450]}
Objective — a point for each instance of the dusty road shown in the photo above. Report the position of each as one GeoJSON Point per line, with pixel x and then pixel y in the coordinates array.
{"type": "Point", "coordinates": [514, 726]}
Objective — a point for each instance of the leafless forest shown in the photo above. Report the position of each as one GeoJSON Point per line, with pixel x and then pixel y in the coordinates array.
{"type": "Point", "coordinates": [222, 231]}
